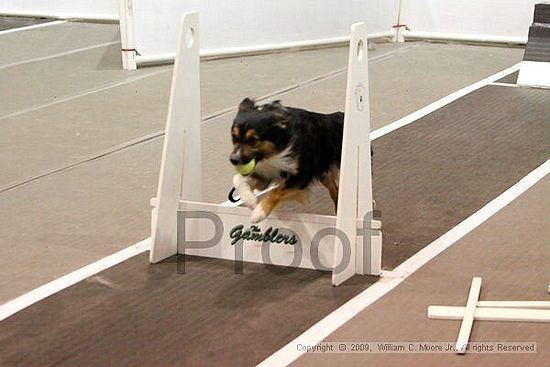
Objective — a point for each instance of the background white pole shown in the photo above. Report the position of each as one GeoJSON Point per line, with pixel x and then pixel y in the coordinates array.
{"type": "Point", "coordinates": [126, 15]}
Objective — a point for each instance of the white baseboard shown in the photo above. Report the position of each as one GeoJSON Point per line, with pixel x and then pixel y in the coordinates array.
{"type": "Point", "coordinates": [59, 15]}
{"type": "Point", "coordinates": [483, 38]}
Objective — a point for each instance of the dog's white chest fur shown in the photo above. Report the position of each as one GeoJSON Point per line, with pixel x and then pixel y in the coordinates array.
{"type": "Point", "coordinates": [272, 167]}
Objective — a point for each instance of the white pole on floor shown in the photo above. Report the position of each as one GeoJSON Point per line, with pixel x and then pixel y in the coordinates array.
{"type": "Point", "coordinates": [468, 317]}
{"type": "Point", "coordinates": [490, 314]}
{"type": "Point", "coordinates": [520, 311]}
{"type": "Point", "coordinates": [515, 304]}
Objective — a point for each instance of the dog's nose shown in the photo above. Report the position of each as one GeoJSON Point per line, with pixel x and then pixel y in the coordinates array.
{"type": "Point", "coordinates": [235, 158]}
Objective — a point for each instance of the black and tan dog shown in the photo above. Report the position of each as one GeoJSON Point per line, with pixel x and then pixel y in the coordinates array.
{"type": "Point", "coordinates": [292, 147]}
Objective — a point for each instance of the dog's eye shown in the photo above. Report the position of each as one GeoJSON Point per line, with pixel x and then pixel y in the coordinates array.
{"type": "Point", "coordinates": [251, 141]}
{"type": "Point", "coordinates": [233, 139]}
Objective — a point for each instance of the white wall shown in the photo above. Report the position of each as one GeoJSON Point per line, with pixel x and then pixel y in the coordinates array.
{"type": "Point", "coordinates": [492, 20]}
{"type": "Point", "coordinates": [229, 26]}
{"type": "Point", "coordinates": [83, 9]}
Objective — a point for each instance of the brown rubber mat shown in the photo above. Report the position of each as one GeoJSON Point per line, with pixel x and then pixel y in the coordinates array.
{"type": "Point", "coordinates": [428, 176]}
{"type": "Point", "coordinates": [137, 314]}
{"type": "Point", "coordinates": [436, 172]}
{"type": "Point", "coordinates": [439, 170]}
{"type": "Point", "coordinates": [510, 78]}
{"type": "Point", "coordinates": [509, 252]}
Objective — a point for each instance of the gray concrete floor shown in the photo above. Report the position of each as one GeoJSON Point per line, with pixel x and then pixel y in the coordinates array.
{"type": "Point", "coordinates": [70, 108]}
{"type": "Point", "coordinates": [12, 22]}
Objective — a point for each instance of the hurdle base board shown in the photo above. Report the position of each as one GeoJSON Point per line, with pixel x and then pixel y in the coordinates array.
{"type": "Point", "coordinates": [534, 74]}
{"type": "Point", "coordinates": [490, 314]}
{"type": "Point", "coordinates": [305, 226]}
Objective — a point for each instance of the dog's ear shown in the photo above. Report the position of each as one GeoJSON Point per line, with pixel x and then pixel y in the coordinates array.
{"type": "Point", "coordinates": [247, 105]}
{"type": "Point", "coordinates": [282, 118]}
{"type": "Point", "coordinates": [274, 106]}
{"type": "Point", "coordinates": [280, 113]}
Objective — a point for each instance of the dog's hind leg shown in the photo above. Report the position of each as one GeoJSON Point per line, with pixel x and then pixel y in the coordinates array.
{"type": "Point", "coordinates": [331, 180]}
{"type": "Point", "coordinates": [272, 199]}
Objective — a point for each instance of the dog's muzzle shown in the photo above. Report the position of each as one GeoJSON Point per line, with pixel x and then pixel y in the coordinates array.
{"type": "Point", "coordinates": [237, 158]}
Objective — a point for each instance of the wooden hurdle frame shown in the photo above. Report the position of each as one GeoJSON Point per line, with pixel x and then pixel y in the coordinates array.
{"type": "Point", "coordinates": [346, 244]}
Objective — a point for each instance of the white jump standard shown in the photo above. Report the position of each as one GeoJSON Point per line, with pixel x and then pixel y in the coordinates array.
{"type": "Point", "coordinates": [346, 244]}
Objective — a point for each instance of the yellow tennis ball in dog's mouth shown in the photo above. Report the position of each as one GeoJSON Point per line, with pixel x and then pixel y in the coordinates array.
{"type": "Point", "coordinates": [246, 169]}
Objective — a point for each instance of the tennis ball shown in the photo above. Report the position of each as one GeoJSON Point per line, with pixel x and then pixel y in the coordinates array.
{"type": "Point", "coordinates": [246, 169]}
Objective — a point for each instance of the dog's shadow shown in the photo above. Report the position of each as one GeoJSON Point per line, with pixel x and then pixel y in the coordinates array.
{"type": "Point", "coordinates": [261, 284]}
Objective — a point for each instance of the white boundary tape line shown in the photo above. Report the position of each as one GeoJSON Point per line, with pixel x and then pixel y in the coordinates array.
{"type": "Point", "coordinates": [86, 93]}
{"type": "Point", "coordinates": [34, 26]}
{"type": "Point", "coordinates": [470, 223]}
{"type": "Point", "coordinates": [390, 280]}
{"type": "Point", "coordinates": [65, 53]}
{"type": "Point", "coordinates": [387, 282]}
{"type": "Point", "coordinates": [218, 113]}
{"type": "Point", "coordinates": [277, 94]}
{"type": "Point", "coordinates": [441, 103]}
{"type": "Point", "coordinates": [105, 17]}
{"type": "Point", "coordinates": [48, 289]}
{"type": "Point", "coordinates": [509, 85]}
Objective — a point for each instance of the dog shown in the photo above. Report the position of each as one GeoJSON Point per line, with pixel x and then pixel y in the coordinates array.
{"type": "Point", "coordinates": [292, 148]}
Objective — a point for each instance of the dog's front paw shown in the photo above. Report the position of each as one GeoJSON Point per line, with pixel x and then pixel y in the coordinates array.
{"type": "Point", "coordinates": [245, 191]}
{"type": "Point", "coordinates": [249, 200]}
{"type": "Point", "coordinates": [258, 214]}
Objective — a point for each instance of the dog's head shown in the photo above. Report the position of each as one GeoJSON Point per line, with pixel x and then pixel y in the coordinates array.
{"type": "Point", "coordinates": [259, 132]}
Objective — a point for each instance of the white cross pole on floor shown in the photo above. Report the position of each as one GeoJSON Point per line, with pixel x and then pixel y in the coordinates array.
{"type": "Point", "coordinates": [520, 311]}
